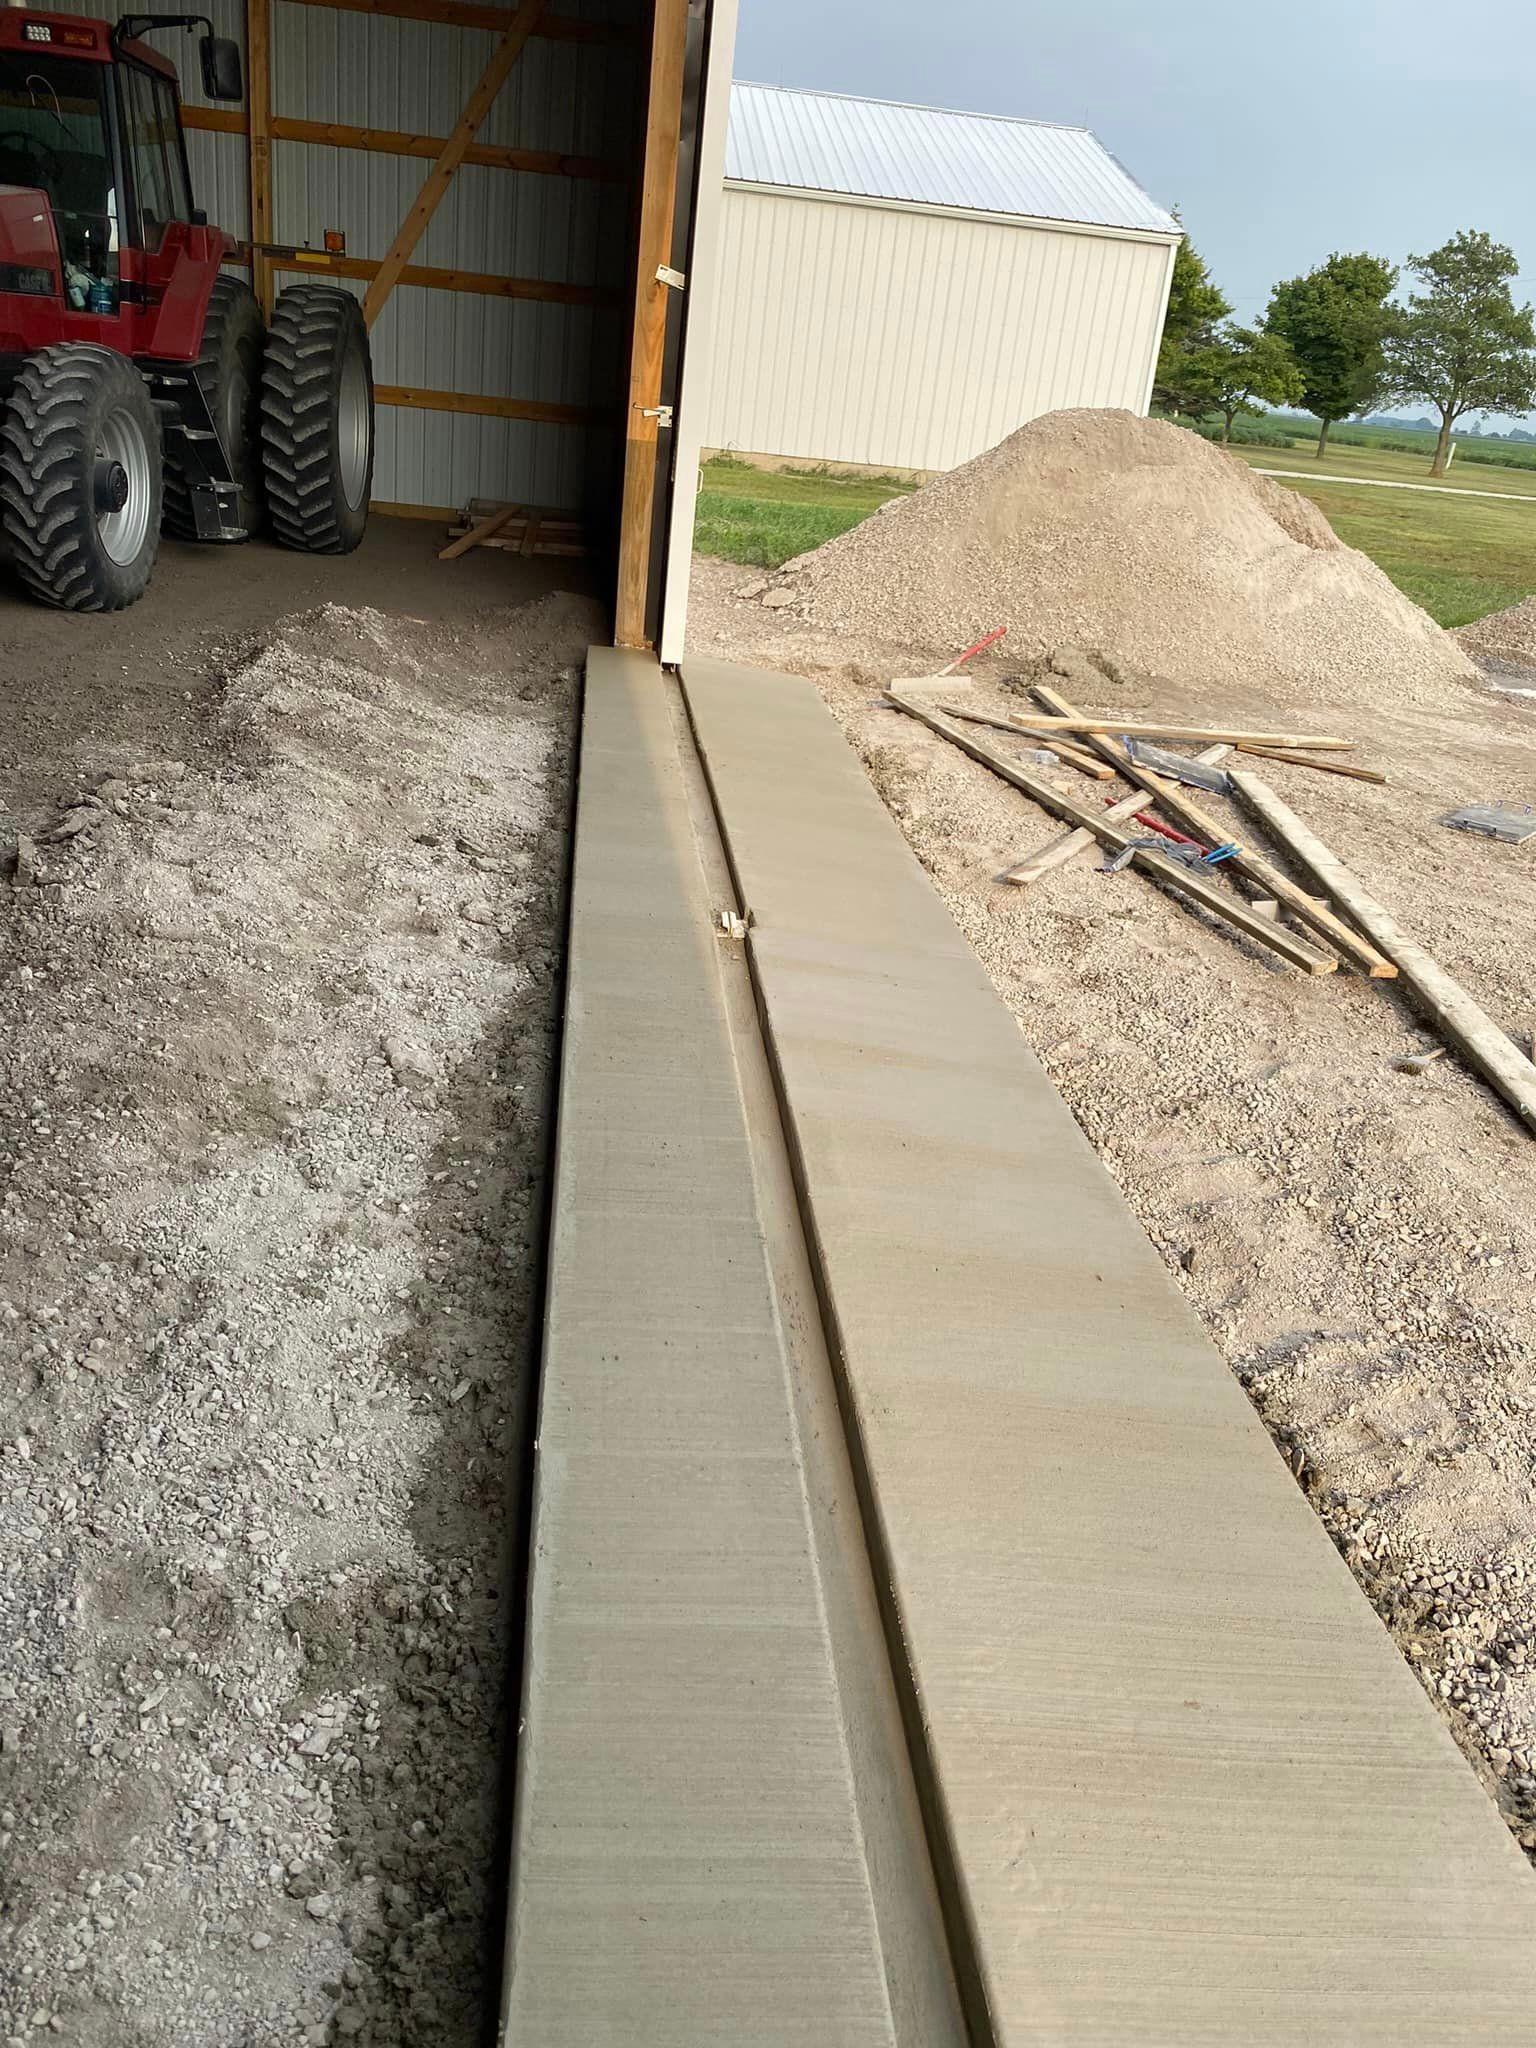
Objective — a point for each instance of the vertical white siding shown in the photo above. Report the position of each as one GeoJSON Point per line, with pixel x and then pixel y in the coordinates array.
{"type": "Point", "coordinates": [859, 333]}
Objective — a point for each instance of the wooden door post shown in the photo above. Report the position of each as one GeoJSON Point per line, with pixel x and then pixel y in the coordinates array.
{"type": "Point", "coordinates": [658, 203]}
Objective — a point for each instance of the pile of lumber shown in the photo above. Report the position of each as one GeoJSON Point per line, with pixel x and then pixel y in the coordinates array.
{"type": "Point", "coordinates": [1246, 890]}
{"type": "Point", "coordinates": [516, 529]}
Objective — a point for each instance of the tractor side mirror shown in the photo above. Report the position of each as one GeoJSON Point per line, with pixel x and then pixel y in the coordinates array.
{"type": "Point", "coordinates": [223, 76]}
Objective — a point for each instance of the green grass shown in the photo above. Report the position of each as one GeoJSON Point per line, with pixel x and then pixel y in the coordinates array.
{"type": "Point", "coordinates": [1458, 557]}
{"type": "Point", "coordinates": [765, 517]}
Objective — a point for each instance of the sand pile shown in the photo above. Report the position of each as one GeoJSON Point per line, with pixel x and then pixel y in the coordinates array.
{"type": "Point", "coordinates": [1505, 642]}
{"type": "Point", "coordinates": [1132, 537]}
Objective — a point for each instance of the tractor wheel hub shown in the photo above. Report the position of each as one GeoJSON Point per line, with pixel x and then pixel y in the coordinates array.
{"type": "Point", "coordinates": [111, 488]}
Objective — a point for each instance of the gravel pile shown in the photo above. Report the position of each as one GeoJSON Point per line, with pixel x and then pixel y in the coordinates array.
{"type": "Point", "coordinates": [1504, 643]}
{"type": "Point", "coordinates": [1133, 537]}
{"type": "Point", "coordinates": [275, 1042]}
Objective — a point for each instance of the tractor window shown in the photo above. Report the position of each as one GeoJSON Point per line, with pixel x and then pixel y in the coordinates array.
{"type": "Point", "coordinates": [53, 138]}
{"type": "Point", "coordinates": [152, 142]}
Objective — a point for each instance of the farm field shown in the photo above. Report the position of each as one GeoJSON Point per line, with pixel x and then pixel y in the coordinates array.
{"type": "Point", "coordinates": [1391, 466]}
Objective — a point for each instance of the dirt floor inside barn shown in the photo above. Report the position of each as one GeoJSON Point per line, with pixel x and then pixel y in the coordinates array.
{"type": "Point", "coordinates": [277, 1035]}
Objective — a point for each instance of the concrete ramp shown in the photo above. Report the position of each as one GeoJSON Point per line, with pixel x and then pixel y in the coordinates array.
{"type": "Point", "coordinates": [1174, 1786]}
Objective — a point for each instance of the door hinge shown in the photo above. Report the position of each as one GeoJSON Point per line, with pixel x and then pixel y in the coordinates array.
{"type": "Point", "coordinates": [675, 279]}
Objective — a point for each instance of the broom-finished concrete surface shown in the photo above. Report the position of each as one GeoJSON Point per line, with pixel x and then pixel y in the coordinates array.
{"type": "Point", "coordinates": [688, 1867]}
{"type": "Point", "coordinates": [1191, 1793]}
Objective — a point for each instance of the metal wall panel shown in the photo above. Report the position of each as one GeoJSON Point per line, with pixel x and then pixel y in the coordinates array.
{"type": "Point", "coordinates": [374, 72]}
{"type": "Point", "coordinates": [859, 333]}
{"type": "Point", "coordinates": [578, 99]}
{"type": "Point", "coordinates": [448, 458]}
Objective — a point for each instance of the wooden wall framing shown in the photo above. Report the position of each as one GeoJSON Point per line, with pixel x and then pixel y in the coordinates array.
{"type": "Point", "coordinates": [263, 124]}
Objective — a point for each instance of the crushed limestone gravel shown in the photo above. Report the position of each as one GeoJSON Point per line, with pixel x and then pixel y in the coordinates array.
{"type": "Point", "coordinates": [275, 1044]}
{"type": "Point", "coordinates": [1133, 536]}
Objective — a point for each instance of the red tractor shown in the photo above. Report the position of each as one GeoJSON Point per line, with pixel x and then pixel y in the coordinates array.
{"type": "Point", "coordinates": [139, 383]}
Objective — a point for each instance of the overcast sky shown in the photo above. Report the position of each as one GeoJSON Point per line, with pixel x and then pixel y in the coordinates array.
{"type": "Point", "coordinates": [1281, 134]}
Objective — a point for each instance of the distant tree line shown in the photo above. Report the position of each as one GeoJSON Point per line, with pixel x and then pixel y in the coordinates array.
{"type": "Point", "coordinates": [1337, 343]}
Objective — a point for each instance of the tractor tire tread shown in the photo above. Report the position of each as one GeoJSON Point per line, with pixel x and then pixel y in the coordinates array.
{"type": "Point", "coordinates": [44, 425]}
{"type": "Point", "coordinates": [298, 419]}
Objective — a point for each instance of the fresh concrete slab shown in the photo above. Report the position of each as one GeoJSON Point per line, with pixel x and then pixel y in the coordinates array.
{"type": "Point", "coordinates": [689, 1869]}
{"type": "Point", "coordinates": [1191, 1795]}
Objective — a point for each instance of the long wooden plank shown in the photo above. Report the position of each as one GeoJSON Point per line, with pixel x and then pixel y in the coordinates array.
{"type": "Point", "coordinates": [431, 277]}
{"type": "Point", "coordinates": [258, 95]}
{"type": "Point", "coordinates": [1075, 757]}
{"type": "Point", "coordinates": [216, 120]}
{"type": "Point", "coordinates": [1491, 1051]}
{"type": "Point", "coordinates": [1219, 902]}
{"type": "Point", "coordinates": [1179, 805]}
{"type": "Point", "coordinates": [546, 163]}
{"type": "Point", "coordinates": [449, 157]}
{"type": "Point", "coordinates": [559, 28]}
{"type": "Point", "coordinates": [1060, 851]}
{"type": "Point", "coordinates": [653, 250]}
{"type": "Point", "coordinates": [1156, 730]}
{"type": "Point", "coordinates": [1325, 764]}
{"type": "Point", "coordinates": [485, 406]}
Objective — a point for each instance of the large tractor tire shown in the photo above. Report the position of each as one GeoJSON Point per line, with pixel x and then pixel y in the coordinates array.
{"type": "Point", "coordinates": [80, 478]}
{"type": "Point", "coordinates": [229, 370]}
{"type": "Point", "coordinates": [317, 420]}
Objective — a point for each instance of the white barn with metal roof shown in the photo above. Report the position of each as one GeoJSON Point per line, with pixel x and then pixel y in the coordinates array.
{"type": "Point", "coordinates": [902, 286]}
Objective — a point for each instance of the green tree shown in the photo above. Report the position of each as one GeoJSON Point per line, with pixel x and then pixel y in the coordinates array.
{"type": "Point", "coordinates": [1245, 369]}
{"type": "Point", "coordinates": [1336, 320]}
{"type": "Point", "coordinates": [1195, 305]}
{"type": "Point", "coordinates": [1463, 343]}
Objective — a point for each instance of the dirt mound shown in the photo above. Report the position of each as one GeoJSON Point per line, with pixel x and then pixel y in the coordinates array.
{"type": "Point", "coordinates": [1132, 537]}
{"type": "Point", "coordinates": [1505, 641]}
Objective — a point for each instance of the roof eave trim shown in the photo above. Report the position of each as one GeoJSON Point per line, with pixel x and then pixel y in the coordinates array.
{"type": "Point", "coordinates": [1161, 237]}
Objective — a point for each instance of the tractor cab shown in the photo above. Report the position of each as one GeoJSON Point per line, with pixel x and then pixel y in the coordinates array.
{"type": "Point", "coordinates": [113, 287]}
{"type": "Point", "coordinates": [55, 139]}
{"type": "Point", "coordinates": [90, 118]}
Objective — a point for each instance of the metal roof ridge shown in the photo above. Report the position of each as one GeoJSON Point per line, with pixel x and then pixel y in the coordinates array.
{"type": "Point", "coordinates": [864, 99]}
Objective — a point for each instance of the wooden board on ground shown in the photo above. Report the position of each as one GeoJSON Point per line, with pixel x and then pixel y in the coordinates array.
{"type": "Point", "coordinates": [1301, 760]}
{"type": "Point", "coordinates": [1170, 873]}
{"type": "Point", "coordinates": [1155, 730]}
{"type": "Point", "coordinates": [1178, 804]}
{"type": "Point", "coordinates": [517, 530]}
{"type": "Point", "coordinates": [1075, 757]}
{"type": "Point", "coordinates": [1061, 850]}
{"type": "Point", "coordinates": [476, 536]}
{"type": "Point", "coordinates": [1491, 1051]}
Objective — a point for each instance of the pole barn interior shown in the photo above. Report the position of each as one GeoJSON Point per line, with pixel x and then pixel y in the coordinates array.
{"type": "Point", "coordinates": [476, 176]}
